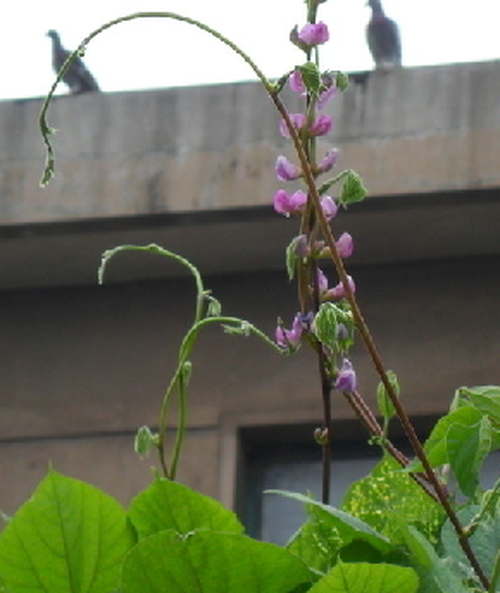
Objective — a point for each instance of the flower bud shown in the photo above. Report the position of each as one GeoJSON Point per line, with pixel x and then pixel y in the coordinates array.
{"type": "Point", "coordinates": [329, 207]}
{"type": "Point", "coordinates": [345, 245]}
{"type": "Point", "coordinates": [328, 161]}
{"type": "Point", "coordinates": [346, 379]}
{"type": "Point", "coordinates": [314, 34]}
{"type": "Point", "coordinates": [285, 170]}
{"type": "Point", "coordinates": [321, 126]}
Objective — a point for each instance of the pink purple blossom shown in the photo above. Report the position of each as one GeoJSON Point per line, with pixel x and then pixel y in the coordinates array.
{"type": "Point", "coordinates": [325, 96]}
{"type": "Point", "coordinates": [346, 379]}
{"type": "Point", "coordinates": [314, 33]}
{"type": "Point", "coordinates": [328, 161]}
{"type": "Point", "coordinates": [329, 207]}
{"type": "Point", "coordinates": [285, 170]}
{"type": "Point", "coordinates": [321, 125]}
{"type": "Point", "coordinates": [290, 338]}
{"type": "Point", "coordinates": [338, 291]}
{"type": "Point", "coordinates": [345, 245]}
{"type": "Point", "coordinates": [296, 82]}
{"type": "Point", "coordinates": [287, 204]}
{"type": "Point", "coordinates": [297, 119]}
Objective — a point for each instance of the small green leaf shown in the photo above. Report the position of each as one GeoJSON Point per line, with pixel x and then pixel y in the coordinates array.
{"type": "Point", "coordinates": [291, 258]}
{"type": "Point", "coordinates": [342, 81]}
{"type": "Point", "coordinates": [385, 404]}
{"type": "Point", "coordinates": [170, 505]}
{"type": "Point", "coordinates": [69, 537]}
{"type": "Point", "coordinates": [353, 189]}
{"type": "Point", "coordinates": [144, 441]}
{"type": "Point", "coordinates": [210, 562]}
{"type": "Point", "coordinates": [325, 324]}
{"type": "Point", "coordinates": [311, 77]}
{"type": "Point", "coordinates": [362, 577]}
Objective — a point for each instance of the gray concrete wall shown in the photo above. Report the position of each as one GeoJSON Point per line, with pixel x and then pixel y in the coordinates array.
{"type": "Point", "coordinates": [82, 366]}
{"type": "Point", "coordinates": [203, 148]}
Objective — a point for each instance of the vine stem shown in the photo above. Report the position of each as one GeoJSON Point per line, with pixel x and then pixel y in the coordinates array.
{"type": "Point", "coordinates": [370, 344]}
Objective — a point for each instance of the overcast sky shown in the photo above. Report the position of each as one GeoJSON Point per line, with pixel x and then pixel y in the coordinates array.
{"type": "Point", "coordinates": [160, 53]}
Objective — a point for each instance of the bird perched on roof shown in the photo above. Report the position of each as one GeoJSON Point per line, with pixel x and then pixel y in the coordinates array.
{"type": "Point", "coordinates": [77, 77]}
{"type": "Point", "coordinates": [383, 38]}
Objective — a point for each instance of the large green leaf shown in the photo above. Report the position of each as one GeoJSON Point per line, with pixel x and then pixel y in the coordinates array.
{"type": "Point", "coordinates": [343, 526]}
{"type": "Point", "coordinates": [485, 541]}
{"type": "Point", "coordinates": [362, 577]}
{"type": "Point", "coordinates": [210, 562]}
{"type": "Point", "coordinates": [467, 448]}
{"type": "Point", "coordinates": [485, 398]}
{"type": "Point", "coordinates": [435, 446]}
{"type": "Point", "coordinates": [170, 505]}
{"type": "Point", "coordinates": [436, 574]}
{"type": "Point", "coordinates": [387, 492]}
{"type": "Point", "coordinates": [68, 538]}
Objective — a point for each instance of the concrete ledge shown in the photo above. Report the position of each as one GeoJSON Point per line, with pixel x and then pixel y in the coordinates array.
{"type": "Point", "coordinates": [209, 148]}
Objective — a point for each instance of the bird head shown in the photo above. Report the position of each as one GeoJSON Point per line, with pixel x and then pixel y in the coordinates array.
{"type": "Point", "coordinates": [375, 5]}
{"type": "Point", "coordinates": [53, 35]}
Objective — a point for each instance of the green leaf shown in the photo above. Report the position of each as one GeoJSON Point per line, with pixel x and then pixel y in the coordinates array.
{"type": "Point", "coordinates": [210, 562]}
{"type": "Point", "coordinates": [170, 505]}
{"type": "Point", "coordinates": [353, 189]}
{"type": "Point", "coordinates": [144, 441]}
{"type": "Point", "coordinates": [385, 404]}
{"type": "Point", "coordinates": [437, 575]}
{"type": "Point", "coordinates": [361, 577]}
{"type": "Point", "coordinates": [387, 492]}
{"type": "Point", "coordinates": [325, 324]}
{"type": "Point", "coordinates": [342, 81]}
{"type": "Point", "coordinates": [467, 448]}
{"type": "Point", "coordinates": [485, 541]}
{"type": "Point", "coordinates": [68, 538]}
{"type": "Point", "coordinates": [435, 446]}
{"type": "Point", "coordinates": [347, 527]}
{"type": "Point", "coordinates": [311, 77]}
{"type": "Point", "coordinates": [291, 257]}
{"type": "Point", "coordinates": [485, 398]}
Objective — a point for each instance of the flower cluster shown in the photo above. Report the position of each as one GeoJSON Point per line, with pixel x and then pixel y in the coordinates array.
{"type": "Point", "coordinates": [318, 89]}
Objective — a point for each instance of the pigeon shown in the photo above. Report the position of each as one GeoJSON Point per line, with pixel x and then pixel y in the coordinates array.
{"type": "Point", "coordinates": [77, 77]}
{"type": "Point", "coordinates": [383, 38]}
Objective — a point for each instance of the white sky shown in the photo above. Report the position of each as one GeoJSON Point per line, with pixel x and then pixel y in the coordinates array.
{"type": "Point", "coordinates": [161, 53]}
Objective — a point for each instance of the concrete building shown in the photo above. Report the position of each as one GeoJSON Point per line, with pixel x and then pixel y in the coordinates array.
{"type": "Point", "coordinates": [82, 365]}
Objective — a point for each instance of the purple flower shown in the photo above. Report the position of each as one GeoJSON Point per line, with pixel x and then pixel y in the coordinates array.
{"type": "Point", "coordinates": [302, 247]}
{"type": "Point", "coordinates": [285, 170]}
{"type": "Point", "coordinates": [321, 126]}
{"type": "Point", "coordinates": [298, 120]}
{"type": "Point", "coordinates": [338, 292]}
{"type": "Point", "coordinates": [289, 204]}
{"type": "Point", "coordinates": [290, 338]}
{"type": "Point", "coordinates": [325, 96]}
{"type": "Point", "coordinates": [322, 281]}
{"type": "Point", "coordinates": [329, 207]}
{"type": "Point", "coordinates": [345, 245]}
{"type": "Point", "coordinates": [296, 83]}
{"type": "Point", "coordinates": [314, 33]}
{"type": "Point", "coordinates": [346, 379]}
{"type": "Point", "coordinates": [328, 161]}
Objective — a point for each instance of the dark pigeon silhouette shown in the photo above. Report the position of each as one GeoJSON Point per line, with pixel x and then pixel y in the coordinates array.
{"type": "Point", "coordinates": [77, 77]}
{"type": "Point", "coordinates": [383, 38]}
